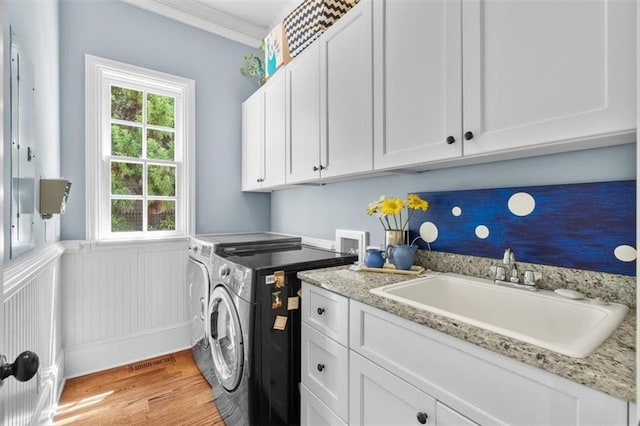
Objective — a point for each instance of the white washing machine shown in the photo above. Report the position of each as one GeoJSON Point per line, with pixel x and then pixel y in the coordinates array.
{"type": "Point", "coordinates": [199, 275]}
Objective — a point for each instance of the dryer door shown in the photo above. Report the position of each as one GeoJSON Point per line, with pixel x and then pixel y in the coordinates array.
{"type": "Point", "coordinates": [226, 339]}
{"type": "Point", "coordinates": [198, 289]}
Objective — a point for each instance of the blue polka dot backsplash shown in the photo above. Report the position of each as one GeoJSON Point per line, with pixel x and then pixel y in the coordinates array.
{"type": "Point", "coordinates": [588, 226]}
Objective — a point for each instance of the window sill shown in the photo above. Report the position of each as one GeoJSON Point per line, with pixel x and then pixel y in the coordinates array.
{"type": "Point", "coordinates": [126, 244]}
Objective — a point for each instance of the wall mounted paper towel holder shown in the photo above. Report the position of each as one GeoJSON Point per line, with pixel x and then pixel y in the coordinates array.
{"type": "Point", "coordinates": [53, 196]}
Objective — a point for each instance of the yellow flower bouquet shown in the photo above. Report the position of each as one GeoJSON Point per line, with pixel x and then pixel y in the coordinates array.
{"type": "Point", "coordinates": [389, 211]}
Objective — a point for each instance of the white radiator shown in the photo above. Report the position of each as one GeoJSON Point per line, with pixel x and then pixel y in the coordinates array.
{"type": "Point", "coordinates": [123, 303]}
{"type": "Point", "coordinates": [32, 322]}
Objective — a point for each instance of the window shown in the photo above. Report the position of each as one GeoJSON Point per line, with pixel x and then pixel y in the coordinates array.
{"type": "Point", "coordinates": [139, 152]}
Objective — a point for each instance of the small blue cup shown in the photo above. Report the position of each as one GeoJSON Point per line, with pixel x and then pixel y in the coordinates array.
{"type": "Point", "coordinates": [374, 258]}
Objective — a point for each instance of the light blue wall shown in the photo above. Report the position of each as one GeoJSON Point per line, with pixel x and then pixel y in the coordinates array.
{"type": "Point", "coordinates": [115, 30]}
{"type": "Point", "coordinates": [35, 23]}
{"type": "Point", "coordinates": [319, 211]}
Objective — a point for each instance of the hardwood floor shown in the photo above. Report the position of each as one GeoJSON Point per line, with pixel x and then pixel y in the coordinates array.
{"type": "Point", "coordinates": [168, 390]}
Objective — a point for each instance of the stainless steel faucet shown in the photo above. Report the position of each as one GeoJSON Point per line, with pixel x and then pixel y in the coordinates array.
{"type": "Point", "coordinates": [510, 276]}
{"type": "Point", "coordinates": [509, 259]}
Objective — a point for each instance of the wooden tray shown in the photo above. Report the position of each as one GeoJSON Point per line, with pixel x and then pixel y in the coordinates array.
{"type": "Point", "coordinates": [415, 270]}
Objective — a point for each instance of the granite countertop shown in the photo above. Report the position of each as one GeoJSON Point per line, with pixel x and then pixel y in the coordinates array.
{"type": "Point", "coordinates": [609, 369]}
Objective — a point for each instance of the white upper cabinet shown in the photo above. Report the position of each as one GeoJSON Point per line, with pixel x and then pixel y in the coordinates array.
{"type": "Point", "coordinates": [545, 72]}
{"type": "Point", "coordinates": [417, 81]}
{"type": "Point", "coordinates": [274, 131]}
{"type": "Point", "coordinates": [303, 114]}
{"type": "Point", "coordinates": [252, 141]}
{"type": "Point", "coordinates": [492, 76]}
{"type": "Point", "coordinates": [346, 130]}
{"type": "Point", "coordinates": [331, 102]}
{"type": "Point", "coordinates": [416, 84]}
{"type": "Point", "coordinates": [263, 136]}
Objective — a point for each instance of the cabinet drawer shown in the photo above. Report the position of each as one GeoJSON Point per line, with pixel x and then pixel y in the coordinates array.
{"type": "Point", "coordinates": [445, 416]}
{"type": "Point", "coordinates": [314, 412]}
{"type": "Point", "coordinates": [325, 370]}
{"type": "Point", "coordinates": [482, 385]}
{"type": "Point", "coordinates": [327, 312]}
{"type": "Point", "coordinates": [379, 397]}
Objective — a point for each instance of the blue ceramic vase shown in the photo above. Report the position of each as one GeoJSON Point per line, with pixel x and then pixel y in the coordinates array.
{"type": "Point", "coordinates": [402, 256]}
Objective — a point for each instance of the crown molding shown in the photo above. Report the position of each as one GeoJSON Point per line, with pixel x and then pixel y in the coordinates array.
{"type": "Point", "coordinates": [205, 18]}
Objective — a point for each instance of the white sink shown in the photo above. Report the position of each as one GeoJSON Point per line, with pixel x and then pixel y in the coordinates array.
{"type": "Point", "coordinates": [570, 327]}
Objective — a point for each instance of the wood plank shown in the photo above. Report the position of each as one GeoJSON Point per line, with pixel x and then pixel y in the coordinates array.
{"type": "Point", "coordinates": [165, 390]}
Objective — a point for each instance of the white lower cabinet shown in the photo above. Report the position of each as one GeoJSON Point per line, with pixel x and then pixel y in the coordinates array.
{"type": "Point", "coordinates": [380, 398]}
{"type": "Point", "coordinates": [324, 388]}
{"type": "Point", "coordinates": [325, 369]}
{"type": "Point", "coordinates": [314, 412]}
{"type": "Point", "coordinates": [446, 416]}
{"type": "Point", "coordinates": [396, 372]}
{"type": "Point", "coordinates": [480, 385]}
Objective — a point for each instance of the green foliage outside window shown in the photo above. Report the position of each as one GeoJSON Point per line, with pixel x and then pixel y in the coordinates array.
{"type": "Point", "coordinates": [126, 176]}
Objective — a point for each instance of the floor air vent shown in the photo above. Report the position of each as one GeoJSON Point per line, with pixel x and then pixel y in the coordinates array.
{"type": "Point", "coordinates": [152, 363]}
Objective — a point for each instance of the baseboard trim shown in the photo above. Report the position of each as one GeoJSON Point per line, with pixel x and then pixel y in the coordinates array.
{"type": "Point", "coordinates": [99, 356]}
{"type": "Point", "coordinates": [43, 414]}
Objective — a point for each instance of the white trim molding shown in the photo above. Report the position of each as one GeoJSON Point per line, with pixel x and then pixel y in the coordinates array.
{"type": "Point", "coordinates": [100, 74]}
{"type": "Point", "coordinates": [197, 15]}
{"type": "Point", "coordinates": [19, 273]}
{"type": "Point", "coordinates": [99, 356]}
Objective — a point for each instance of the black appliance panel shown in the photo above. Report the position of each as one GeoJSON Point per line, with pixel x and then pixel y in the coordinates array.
{"type": "Point", "coordinates": [301, 257]}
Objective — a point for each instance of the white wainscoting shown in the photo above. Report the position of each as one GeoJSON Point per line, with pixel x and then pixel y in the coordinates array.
{"type": "Point", "coordinates": [32, 321]}
{"type": "Point", "coordinates": [122, 303]}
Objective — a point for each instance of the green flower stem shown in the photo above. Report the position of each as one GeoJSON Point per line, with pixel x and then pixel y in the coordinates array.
{"type": "Point", "coordinates": [411, 211]}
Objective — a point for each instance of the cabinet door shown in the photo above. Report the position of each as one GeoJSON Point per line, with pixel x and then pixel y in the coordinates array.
{"type": "Point", "coordinates": [303, 113]}
{"type": "Point", "coordinates": [324, 370]}
{"type": "Point", "coordinates": [327, 312]}
{"type": "Point", "coordinates": [417, 81]}
{"type": "Point", "coordinates": [313, 412]}
{"type": "Point", "coordinates": [543, 72]}
{"type": "Point", "coordinates": [274, 130]}
{"type": "Point", "coordinates": [346, 75]}
{"type": "Point", "coordinates": [252, 141]}
{"type": "Point", "coordinates": [377, 397]}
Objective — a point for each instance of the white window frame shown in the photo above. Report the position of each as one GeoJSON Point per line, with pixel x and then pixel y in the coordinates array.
{"type": "Point", "coordinates": [100, 74]}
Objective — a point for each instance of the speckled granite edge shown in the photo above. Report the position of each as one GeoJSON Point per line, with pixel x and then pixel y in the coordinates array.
{"type": "Point", "coordinates": [596, 285]}
{"type": "Point", "coordinates": [609, 369]}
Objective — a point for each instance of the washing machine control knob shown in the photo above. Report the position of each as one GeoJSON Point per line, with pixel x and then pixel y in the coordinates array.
{"type": "Point", "coordinates": [224, 271]}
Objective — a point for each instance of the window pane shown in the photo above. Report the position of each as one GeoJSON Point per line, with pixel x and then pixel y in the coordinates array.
{"type": "Point", "coordinates": [126, 215]}
{"type": "Point", "coordinates": [160, 110]}
{"type": "Point", "coordinates": [162, 181]}
{"type": "Point", "coordinates": [126, 104]}
{"type": "Point", "coordinates": [161, 215]}
{"type": "Point", "coordinates": [160, 144]}
{"type": "Point", "coordinates": [126, 178]}
{"type": "Point", "coordinates": [126, 141]}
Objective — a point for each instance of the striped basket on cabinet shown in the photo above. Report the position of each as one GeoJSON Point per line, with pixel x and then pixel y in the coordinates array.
{"type": "Point", "coordinates": [310, 19]}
